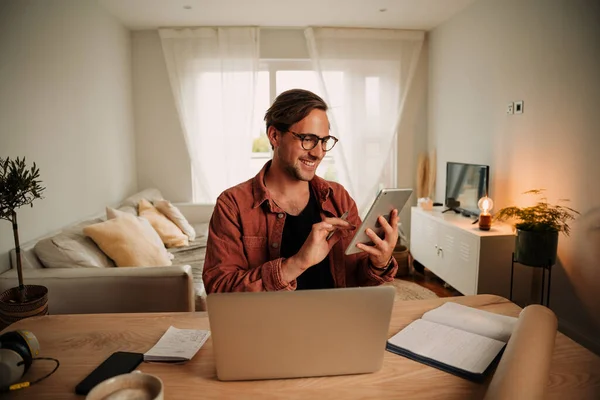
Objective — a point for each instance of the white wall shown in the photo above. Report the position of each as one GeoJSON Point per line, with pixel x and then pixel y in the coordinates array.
{"type": "Point", "coordinates": [162, 157]}
{"type": "Point", "coordinates": [65, 103]}
{"type": "Point", "coordinates": [546, 53]}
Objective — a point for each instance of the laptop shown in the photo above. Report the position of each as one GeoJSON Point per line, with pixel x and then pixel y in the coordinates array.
{"type": "Point", "coordinates": [271, 335]}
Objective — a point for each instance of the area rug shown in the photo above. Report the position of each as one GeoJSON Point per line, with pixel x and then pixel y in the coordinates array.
{"type": "Point", "coordinates": [406, 290]}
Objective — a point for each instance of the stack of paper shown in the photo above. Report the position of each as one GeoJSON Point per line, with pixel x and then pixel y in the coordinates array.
{"type": "Point", "coordinates": [177, 345]}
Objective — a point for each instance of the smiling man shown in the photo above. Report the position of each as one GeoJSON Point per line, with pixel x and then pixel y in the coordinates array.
{"type": "Point", "coordinates": [272, 232]}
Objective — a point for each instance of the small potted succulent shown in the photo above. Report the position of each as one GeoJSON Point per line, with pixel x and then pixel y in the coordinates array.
{"type": "Point", "coordinates": [537, 228]}
{"type": "Point", "coordinates": [19, 186]}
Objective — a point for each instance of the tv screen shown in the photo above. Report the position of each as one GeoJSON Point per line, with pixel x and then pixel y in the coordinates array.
{"type": "Point", "coordinates": [465, 185]}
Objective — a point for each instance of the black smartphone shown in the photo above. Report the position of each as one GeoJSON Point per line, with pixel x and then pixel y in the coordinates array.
{"type": "Point", "coordinates": [118, 363]}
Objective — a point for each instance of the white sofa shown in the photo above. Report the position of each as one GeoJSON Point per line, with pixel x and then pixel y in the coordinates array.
{"type": "Point", "coordinates": [80, 290]}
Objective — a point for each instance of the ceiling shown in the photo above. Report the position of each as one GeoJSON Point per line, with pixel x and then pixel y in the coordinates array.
{"type": "Point", "coordinates": [404, 14]}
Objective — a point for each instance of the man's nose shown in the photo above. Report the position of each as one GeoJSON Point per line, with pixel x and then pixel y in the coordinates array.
{"type": "Point", "coordinates": [317, 151]}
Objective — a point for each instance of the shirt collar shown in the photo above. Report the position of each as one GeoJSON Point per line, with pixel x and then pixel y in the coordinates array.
{"type": "Point", "coordinates": [321, 187]}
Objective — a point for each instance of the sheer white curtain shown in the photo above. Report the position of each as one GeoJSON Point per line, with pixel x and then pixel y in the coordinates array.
{"type": "Point", "coordinates": [365, 75]}
{"type": "Point", "coordinates": [213, 77]}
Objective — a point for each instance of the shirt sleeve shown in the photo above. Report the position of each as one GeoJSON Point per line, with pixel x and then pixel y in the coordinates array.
{"type": "Point", "coordinates": [226, 267]}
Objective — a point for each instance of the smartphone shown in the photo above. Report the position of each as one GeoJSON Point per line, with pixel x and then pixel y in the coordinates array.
{"type": "Point", "coordinates": [118, 363]}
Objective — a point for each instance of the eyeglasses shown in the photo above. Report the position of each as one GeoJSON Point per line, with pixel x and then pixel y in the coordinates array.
{"type": "Point", "coordinates": [309, 141]}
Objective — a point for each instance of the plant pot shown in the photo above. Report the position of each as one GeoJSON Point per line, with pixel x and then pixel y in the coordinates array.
{"type": "Point", "coordinates": [536, 249]}
{"type": "Point", "coordinates": [12, 309]}
{"type": "Point", "coordinates": [400, 253]}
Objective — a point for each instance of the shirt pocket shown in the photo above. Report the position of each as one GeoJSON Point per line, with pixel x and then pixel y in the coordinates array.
{"type": "Point", "coordinates": [256, 250]}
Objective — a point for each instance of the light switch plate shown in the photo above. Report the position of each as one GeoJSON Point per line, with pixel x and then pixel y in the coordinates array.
{"type": "Point", "coordinates": [519, 107]}
{"type": "Point", "coordinates": [510, 108]}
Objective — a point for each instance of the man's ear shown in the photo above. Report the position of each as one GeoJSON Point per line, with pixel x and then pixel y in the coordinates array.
{"type": "Point", "coordinates": [274, 136]}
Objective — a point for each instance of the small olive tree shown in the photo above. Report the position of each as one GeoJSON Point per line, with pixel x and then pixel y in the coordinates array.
{"type": "Point", "coordinates": [19, 186]}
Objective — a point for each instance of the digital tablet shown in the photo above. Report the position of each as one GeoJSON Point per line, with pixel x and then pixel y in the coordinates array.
{"type": "Point", "coordinates": [384, 203]}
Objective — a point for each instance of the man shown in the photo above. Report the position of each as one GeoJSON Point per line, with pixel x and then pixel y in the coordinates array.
{"type": "Point", "coordinates": [271, 232]}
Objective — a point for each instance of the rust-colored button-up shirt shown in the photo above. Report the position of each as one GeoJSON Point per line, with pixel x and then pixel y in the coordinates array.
{"type": "Point", "coordinates": [244, 240]}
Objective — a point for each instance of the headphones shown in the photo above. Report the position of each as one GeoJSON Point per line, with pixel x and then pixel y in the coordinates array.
{"type": "Point", "coordinates": [17, 351]}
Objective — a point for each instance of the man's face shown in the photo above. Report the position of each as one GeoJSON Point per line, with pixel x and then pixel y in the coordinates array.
{"type": "Point", "coordinates": [299, 163]}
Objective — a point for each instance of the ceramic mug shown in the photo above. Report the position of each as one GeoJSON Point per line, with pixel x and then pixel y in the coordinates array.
{"type": "Point", "coordinates": [135, 385]}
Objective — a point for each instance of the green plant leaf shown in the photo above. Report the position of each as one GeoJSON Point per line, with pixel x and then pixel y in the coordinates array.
{"type": "Point", "coordinates": [542, 217]}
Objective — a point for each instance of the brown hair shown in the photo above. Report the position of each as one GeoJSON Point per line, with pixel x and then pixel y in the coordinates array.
{"type": "Point", "coordinates": [292, 106]}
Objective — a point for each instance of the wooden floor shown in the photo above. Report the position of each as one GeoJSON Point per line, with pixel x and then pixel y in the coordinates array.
{"type": "Point", "coordinates": [428, 280]}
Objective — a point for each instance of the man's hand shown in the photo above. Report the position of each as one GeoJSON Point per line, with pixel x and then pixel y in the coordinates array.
{"type": "Point", "coordinates": [316, 247]}
{"type": "Point", "coordinates": [381, 251]}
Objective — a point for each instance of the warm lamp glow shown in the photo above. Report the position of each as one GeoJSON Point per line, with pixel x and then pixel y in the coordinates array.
{"type": "Point", "coordinates": [485, 204]}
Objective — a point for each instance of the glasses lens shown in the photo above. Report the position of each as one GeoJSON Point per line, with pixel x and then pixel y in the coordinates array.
{"type": "Point", "coordinates": [329, 143]}
{"type": "Point", "coordinates": [310, 142]}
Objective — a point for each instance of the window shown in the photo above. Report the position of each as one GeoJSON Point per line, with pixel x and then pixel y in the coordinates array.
{"type": "Point", "coordinates": [359, 95]}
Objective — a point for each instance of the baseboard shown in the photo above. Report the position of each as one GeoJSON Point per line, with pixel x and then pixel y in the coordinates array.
{"type": "Point", "coordinates": [592, 344]}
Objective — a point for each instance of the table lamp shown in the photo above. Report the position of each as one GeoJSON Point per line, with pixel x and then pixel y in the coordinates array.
{"type": "Point", "coordinates": [485, 204]}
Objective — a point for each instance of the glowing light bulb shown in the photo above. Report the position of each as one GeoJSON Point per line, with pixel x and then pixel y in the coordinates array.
{"type": "Point", "coordinates": [485, 204]}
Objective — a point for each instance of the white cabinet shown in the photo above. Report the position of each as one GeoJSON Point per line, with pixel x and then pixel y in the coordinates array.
{"type": "Point", "coordinates": [470, 260]}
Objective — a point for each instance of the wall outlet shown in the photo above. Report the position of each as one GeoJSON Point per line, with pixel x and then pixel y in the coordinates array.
{"type": "Point", "coordinates": [510, 108]}
{"type": "Point", "coordinates": [518, 107]}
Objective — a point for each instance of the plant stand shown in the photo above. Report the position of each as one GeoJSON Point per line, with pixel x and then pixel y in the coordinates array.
{"type": "Point", "coordinates": [544, 268]}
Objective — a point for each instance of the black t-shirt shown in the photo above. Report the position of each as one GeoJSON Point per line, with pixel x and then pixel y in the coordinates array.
{"type": "Point", "coordinates": [295, 231]}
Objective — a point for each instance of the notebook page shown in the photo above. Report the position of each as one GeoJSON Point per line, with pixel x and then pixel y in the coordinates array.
{"type": "Point", "coordinates": [460, 349]}
{"type": "Point", "coordinates": [481, 322]}
{"type": "Point", "coordinates": [177, 345]}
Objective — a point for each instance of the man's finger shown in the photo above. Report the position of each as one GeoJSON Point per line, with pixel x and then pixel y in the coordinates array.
{"type": "Point", "coordinates": [368, 249]}
{"type": "Point", "coordinates": [377, 241]}
{"type": "Point", "coordinates": [338, 222]}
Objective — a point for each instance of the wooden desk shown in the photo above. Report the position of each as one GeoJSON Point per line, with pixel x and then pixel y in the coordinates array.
{"type": "Point", "coordinates": [81, 342]}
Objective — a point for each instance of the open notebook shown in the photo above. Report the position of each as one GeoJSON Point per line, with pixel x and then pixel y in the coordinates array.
{"type": "Point", "coordinates": [462, 340]}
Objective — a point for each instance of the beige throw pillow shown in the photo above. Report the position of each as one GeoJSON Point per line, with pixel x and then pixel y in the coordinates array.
{"type": "Point", "coordinates": [125, 240]}
{"type": "Point", "coordinates": [173, 213]}
{"type": "Point", "coordinates": [112, 213]}
{"type": "Point", "coordinates": [170, 234]}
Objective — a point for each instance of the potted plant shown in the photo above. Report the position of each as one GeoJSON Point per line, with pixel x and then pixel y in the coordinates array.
{"type": "Point", "coordinates": [537, 228]}
{"type": "Point", "coordinates": [19, 186]}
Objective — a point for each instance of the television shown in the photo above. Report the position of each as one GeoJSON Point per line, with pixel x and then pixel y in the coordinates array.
{"type": "Point", "coordinates": [465, 185]}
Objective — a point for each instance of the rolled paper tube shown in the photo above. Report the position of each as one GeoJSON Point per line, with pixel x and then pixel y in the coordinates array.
{"type": "Point", "coordinates": [524, 369]}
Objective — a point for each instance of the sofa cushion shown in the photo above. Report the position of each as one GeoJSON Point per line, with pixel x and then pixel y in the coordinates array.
{"type": "Point", "coordinates": [130, 204]}
{"type": "Point", "coordinates": [126, 241]}
{"type": "Point", "coordinates": [72, 249]}
{"type": "Point", "coordinates": [150, 232]}
{"type": "Point", "coordinates": [173, 213]}
{"type": "Point", "coordinates": [194, 255]}
{"type": "Point", "coordinates": [201, 229]}
{"type": "Point", "coordinates": [170, 234]}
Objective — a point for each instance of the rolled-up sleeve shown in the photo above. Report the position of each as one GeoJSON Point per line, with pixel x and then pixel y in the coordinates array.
{"type": "Point", "coordinates": [226, 266]}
